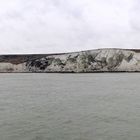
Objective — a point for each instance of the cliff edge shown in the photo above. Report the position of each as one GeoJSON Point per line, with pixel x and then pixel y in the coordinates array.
{"type": "Point", "coordinates": [100, 60]}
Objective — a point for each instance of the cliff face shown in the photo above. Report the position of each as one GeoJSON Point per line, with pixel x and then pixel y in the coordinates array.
{"type": "Point", "coordinates": [101, 60]}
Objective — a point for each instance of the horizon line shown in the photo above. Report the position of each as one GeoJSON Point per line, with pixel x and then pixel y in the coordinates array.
{"type": "Point", "coordinates": [127, 49]}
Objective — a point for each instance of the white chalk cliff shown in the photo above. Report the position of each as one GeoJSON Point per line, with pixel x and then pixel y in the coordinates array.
{"type": "Point", "coordinates": [100, 60]}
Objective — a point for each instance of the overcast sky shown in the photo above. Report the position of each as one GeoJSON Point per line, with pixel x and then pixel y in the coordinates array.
{"type": "Point", "coordinates": [50, 26]}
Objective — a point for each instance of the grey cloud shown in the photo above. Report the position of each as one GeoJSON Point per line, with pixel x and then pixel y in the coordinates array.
{"type": "Point", "coordinates": [134, 18]}
{"type": "Point", "coordinates": [47, 26]}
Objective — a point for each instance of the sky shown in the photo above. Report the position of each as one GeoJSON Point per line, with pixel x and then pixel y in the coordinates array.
{"type": "Point", "coordinates": [54, 26]}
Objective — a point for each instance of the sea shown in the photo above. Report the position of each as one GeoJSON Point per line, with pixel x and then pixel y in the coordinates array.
{"type": "Point", "coordinates": [45, 106]}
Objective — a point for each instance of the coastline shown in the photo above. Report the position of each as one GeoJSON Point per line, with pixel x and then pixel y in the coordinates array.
{"type": "Point", "coordinates": [108, 60]}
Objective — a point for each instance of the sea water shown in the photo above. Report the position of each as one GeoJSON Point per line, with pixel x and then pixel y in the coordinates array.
{"type": "Point", "coordinates": [103, 106]}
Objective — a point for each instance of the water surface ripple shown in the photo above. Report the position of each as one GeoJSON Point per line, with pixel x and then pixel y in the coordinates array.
{"type": "Point", "coordinates": [103, 106]}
